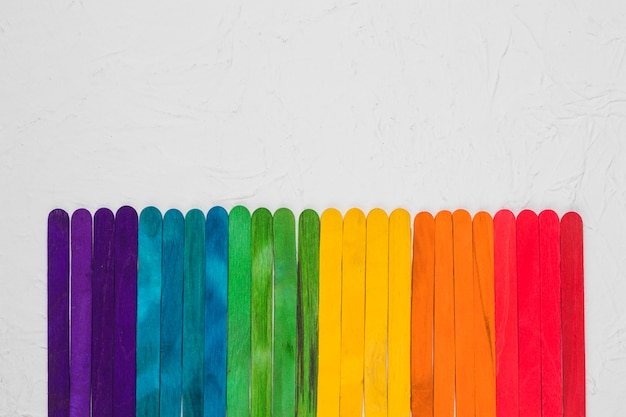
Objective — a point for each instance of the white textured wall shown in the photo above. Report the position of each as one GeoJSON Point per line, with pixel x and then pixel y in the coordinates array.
{"type": "Point", "coordinates": [417, 104]}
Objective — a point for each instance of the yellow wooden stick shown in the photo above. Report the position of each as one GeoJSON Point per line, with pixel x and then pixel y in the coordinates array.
{"type": "Point", "coordinates": [376, 293]}
{"type": "Point", "coordinates": [352, 315]}
{"type": "Point", "coordinates": [399, 336]}
{"type": "Point", "coordinates": [329, 321]}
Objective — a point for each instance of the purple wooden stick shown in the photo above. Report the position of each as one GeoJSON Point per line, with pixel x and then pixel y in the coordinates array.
{"type": "Point", "coordinates": [58, 314]}
{"type": "Point", "coordinates": [125, 313]}
{"type": "Point", "coordinates": [80, 359]}
{"type": "Point", "coordinates": [102, 308]}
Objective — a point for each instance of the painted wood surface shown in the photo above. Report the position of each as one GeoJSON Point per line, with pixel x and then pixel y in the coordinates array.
{"type": "Point", "coordinates": [422, 310]}
{"type": "Point", "coordinates": [215, 312]}
{"type": "Point", "coordinates": [308, 301]}
{"type": "Point", "coordinates": [506, 320]}
{"type": "Point", "coordinates": [239, 270]}
{"type": "Point", "coordinates": [331, 244]}
{"type": "Point", "coordinates": [352, 314]}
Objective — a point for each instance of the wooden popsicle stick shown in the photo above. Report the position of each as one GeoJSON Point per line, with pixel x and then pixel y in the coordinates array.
{"type": "Point", "coordinates": [399, 343]}
{"type": "Point", "coordinates": [484, 311]}
{"type": "Point", "coordinates": [443, 318]}
{"type": "Point", "coordinates": [285, 326]}
{"type": "Point", "coordinates": [308, 299]}
{"type": "Point", "coordinates": [261, 310]}
{"type": "Point", "coordinates": [422, 310]}
{"type": "Point", "coordinates": [150, 250]}
{"type": "Point", "coordinates": [171, 373]}
{"type": "Point", "coordinates": [529, 307]}
{"type": "Point", "coordinates": [352, 314]}
{"type": "Point", "coordinates": [376, 309]}
{"type": "Point", "coordinates": [193, 314]}
{"type": "Point", "coordinates": [573, 315]}
{"type": "Point", "coordinates": [328, 387]}
{"type": "Point", "coordinates": [505, 289]}
{"type": "Point", "coordinates": [215, 312]}
{"type": "Point", "coordinates": [102, 313]}
{"type": "Point", "coordinates": [239, 264]}
{"type": "Point", "coordinates": [58, 314]}
{"type": "Point", "coordinates": [125, 313]}
{"type": "Point", "coordinates": [551, 363]}
{"type": "Point", "coordinates": [463, 312]}
{"type": "Point", "coordinates": [80, 321]}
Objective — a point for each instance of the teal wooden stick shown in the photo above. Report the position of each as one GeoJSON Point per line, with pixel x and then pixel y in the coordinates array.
{"type": "Point", "coordinates": [239, 270]}
{"type": "Point", "coordinates": [261, 310]}
{"type": "Point", "coordinates": [193, 315]}
{"type": "Point", "coordinates": [308, 302]}
{"type": "Point", "coordinates": [285, 298]}
{"type": "Point", "coordinates": [172, 314]}
{"type": "Point", "coordinates": [149, 312]}
{"type": "Point", "coordinates": [215, 311]}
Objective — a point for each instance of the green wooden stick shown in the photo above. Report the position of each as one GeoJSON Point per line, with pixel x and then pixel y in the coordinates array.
{"type": "Point", "coordinates": [308, 301]}
{"type": "Point", "coordinates": [261, 310]}
{"type": "Point", "coordinates": [285, 299]}
{"type": "Point", "coordinates": [238, 360]}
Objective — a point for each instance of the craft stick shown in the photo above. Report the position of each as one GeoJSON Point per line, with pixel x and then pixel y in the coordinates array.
{"type": "Point", "coordinates": [529, 307]}
{"type": "Point", "coordinates": [80, 321]}
{"type": "Point", "coordinates": [399, 321]}
{"type": "Point", "coordinates": [102, 313]}
{"type": "Point", "coordinates": [328, 387]}
{"type": "Point", "coordinates": [150, 250]}
{"type": "Point", "coordinates": [261, 310]}
{"type": "Point", "coordinates": [215, 312]}
{"type": "Point", "coordinates": [308, 299]}
{"type": "Point", "coordinates": [376, 307]}
{"type": "Point", "coordinates": [422, 309]}
{"type": "Point", "coordinates": [443, 332]}
{"type": "Point", "coordinates": [463, 313]}
{"type": "Point", "coordinates": [484, 321]}
{"type": "Point", "coordinates": [172, 314]}
{"type": "Point", "coordinates": [193, 315]}
{"type": "Point", "coordinates": [352, 314]}
{"type": "Point", "coordinates": [573, 315]}
{"type": "Point", "coordinates": [125, 313]}
{"type": "Point", "coordinates": [58, 314]}
{"type": "Point", "coordinates": [238, 361]}
{"type": "Point", "coordinates": [505, 289]}
{"type": "Point", "coordinates": [285, 327]}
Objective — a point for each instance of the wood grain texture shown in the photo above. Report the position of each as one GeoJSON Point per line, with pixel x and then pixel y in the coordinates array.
{"type": "Point", "coordinates": [102, 313]}
{"type": "Point", "coordinates": [125, 313]}
{"type": "Point", "coordinates": [573, 315]}
{"type": "Point", "coordinates": [422, 310]}
{"type": "Point", "coordinates": [285, 315]}
{"type": "Point", "coordinates": [239, 284]}
{"type": "Point", "coordinates": [376, 311]}
{"type": "Point", "coordinates": [331, 244]}
{"type": "Point", "coordinates": [80, 316]}
{"type": "Point", "coordinates": [58, 314]}
{"type": "Point", "coordinates": [150, 250]}
{"type": "Point", "coordinates": [463, 312]}
{"type": "Point", "coordinates": [193, 315]}
{"type": "Point", "coordinates": [172, 314]}
{"type": "Point", "coordinates": [308, 301]}
{"type": "Point", "coordinates": [484, 311]}
{"type": "Point", "coordinates": [399, 333]}
{"type": "Point", "coordinates": [506, 320]}
{"type": "Point", "coordinates": [261, 310]}
{"type": "Point", "coordinates": [529, 305]}
{"type": "Point", "coordinates": [551, 362]}
{"type": "Point", "coordinates": [443, 332]}
{"type": "Point", "coordinates": [352, 314]}
{"type": "Point", "coordinates": [215, 312]}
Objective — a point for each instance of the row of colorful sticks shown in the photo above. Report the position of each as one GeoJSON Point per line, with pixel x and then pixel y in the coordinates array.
{"type": "Point", "coordinates": [252, 315]}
